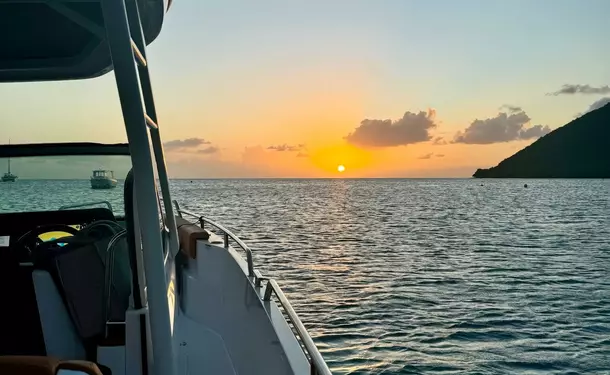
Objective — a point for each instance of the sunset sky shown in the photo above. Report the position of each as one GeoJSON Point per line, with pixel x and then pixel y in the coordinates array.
{"type": "Point", "coordinates": [387, 88]}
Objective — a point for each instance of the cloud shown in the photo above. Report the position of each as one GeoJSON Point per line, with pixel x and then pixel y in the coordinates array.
{"type": "Point", "coordinates": [209, 150]}
{"type": "Point", "coordinates": [411, 128]}
{"type": "Point", "coordinates": [300, 148]}
{"type": "Point", "coordinates": [570, 89]}
{"type": "Point", "coordinates": [178, 144]}
{"type": "Point", "coordinates": [439, 141]}
{"type": "Point", "coordinates": [191, 145]}
{"type": "Point", "coordinates": [511, 108]}
{"type": "Point", "coordinates": [286, 147]}
{"type": "Point", "coordinates": [431, 155]}
{"type": "Point", "coordinates": [502, 128]}
{"type": "Point", "coordinates": [535, 131]}
{"type": "Point", "coordinates": [598, 104]}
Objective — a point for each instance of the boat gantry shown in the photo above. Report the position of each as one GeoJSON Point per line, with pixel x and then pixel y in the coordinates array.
{"type": "Point", "coordinates": [169, 296]}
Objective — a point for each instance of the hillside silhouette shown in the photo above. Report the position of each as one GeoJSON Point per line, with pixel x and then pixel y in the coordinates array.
{"type": "Point", "coordinates": [579, 149]}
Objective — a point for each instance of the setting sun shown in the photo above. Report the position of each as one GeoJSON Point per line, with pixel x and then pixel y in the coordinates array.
{"type": "Point", "coordinates": [341, 168]}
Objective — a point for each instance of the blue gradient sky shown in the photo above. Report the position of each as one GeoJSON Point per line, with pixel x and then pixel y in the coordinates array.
{"type": "Point", "coordinates": [246, 75]}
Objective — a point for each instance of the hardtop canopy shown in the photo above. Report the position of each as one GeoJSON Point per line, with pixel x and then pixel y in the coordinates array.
{"type": "Point", "coordinates": [47, 40]}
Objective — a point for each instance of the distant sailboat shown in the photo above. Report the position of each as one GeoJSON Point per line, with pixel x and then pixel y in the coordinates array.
{"type": "Point", "coordinates": [8, 176]}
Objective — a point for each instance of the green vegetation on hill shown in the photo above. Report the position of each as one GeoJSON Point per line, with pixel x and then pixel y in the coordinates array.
{"type": "Point", "coordinates": [580, 149]}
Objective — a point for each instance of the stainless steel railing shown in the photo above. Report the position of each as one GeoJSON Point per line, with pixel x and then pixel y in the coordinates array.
{"type": "Point", "coordinates": [226, 234]}
{"type": "Point", "coordinates": [78, 205]}
{"type": "Point", "coordinates": [317, 364]}
{"type": "Point", "coordinates": [316, 361]}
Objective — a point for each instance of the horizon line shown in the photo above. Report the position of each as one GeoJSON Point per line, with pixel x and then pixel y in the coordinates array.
{"type": "Point", "coordinates": [253, 178]}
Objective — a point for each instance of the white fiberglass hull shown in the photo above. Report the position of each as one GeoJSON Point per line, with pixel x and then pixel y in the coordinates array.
{"type": "Point", "coordinates": [103, 183]}
{"type": "Point", "coordinates": [222, 324]}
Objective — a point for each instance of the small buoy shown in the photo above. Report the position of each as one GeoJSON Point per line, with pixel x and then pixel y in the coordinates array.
{"type": "Point", "coordinates": [525, 185]}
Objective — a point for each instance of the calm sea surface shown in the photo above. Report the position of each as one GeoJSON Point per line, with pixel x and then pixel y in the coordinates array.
{"type": "Point", "coordinates": [418, 276]}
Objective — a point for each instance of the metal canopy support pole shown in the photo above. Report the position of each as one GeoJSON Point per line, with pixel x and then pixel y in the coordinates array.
{"type": "Point", "coordinates": [126, 75]}
{"type": "Point", "coordinates": [135, 27]}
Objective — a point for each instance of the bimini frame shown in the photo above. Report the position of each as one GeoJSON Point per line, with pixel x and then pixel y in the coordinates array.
{"type": "Point", "coordinates": [128, 51]}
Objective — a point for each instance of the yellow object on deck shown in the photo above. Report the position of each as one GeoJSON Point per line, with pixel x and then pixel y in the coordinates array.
{"type": "Point", "coordinates": [49, 236]}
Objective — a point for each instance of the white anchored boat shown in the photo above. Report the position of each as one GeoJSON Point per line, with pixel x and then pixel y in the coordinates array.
{"type": "Point", "coordinates": [153, 292]}
{"type": "Point", "coordinates": [103, 179]}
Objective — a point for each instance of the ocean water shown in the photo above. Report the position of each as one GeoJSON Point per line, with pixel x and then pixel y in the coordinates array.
{"type": "Point", "coordinates": [418, 276]}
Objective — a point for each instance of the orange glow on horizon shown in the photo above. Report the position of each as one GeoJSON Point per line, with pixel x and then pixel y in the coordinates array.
{"type": "Point", "coordinates": [333, 158]}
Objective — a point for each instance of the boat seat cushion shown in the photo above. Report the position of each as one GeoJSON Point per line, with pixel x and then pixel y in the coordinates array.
{"type": "Point", "coordinates": [189, 233]}
{"type": "Point", "coordinates": [35, 365]}
{"type": "Point", "coordinates": [61, 339]}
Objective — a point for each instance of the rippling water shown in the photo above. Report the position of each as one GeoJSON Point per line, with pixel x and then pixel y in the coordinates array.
{"type": "Point", "coordinates": [421, 276]}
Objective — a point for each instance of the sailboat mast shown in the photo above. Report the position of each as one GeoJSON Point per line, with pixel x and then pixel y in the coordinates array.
{"type": "Point", "coordinates": [9, 159]}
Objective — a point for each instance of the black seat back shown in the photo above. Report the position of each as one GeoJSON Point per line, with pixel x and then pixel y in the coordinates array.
{"type": "Point", "coordinates": [93, 292]}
